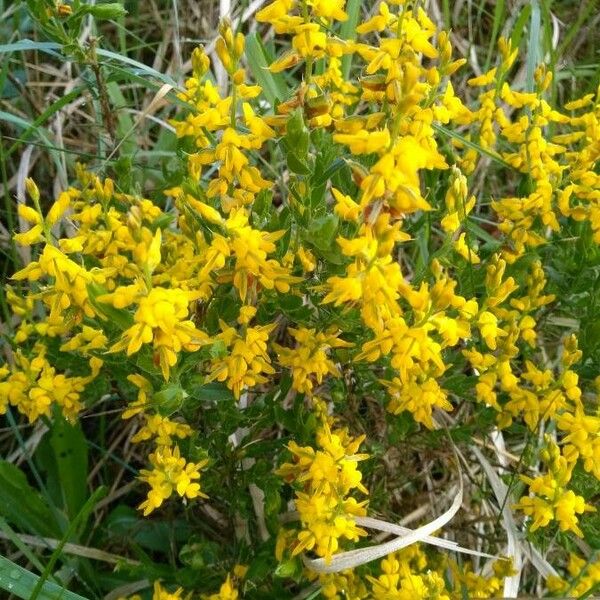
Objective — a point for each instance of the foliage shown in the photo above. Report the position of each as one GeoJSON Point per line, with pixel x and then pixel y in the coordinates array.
{"type": "Point", "coordinates": [354, 270]}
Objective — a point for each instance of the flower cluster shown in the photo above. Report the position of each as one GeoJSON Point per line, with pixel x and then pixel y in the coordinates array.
{"type": "Point", "coordinates": [325, 477]}
{"type": "Point", "coordinates": [367, 282]}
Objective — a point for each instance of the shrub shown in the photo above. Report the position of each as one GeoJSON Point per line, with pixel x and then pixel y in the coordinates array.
{"type": "Point", "coordinates": [336, 302]}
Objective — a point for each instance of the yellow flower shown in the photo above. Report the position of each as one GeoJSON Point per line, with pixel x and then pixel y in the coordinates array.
{"type": "Point", "coordinates": [345, 207]}
{"type": "Point", "coordinates": [328, 476]}
{"type": "Point", "coordinates": [161, 319]}
{"type": "Point", "coordinates": [170, 473]}
{"type": "Point", "coordinates": [246, 362]}
{"type": "Point", "coordinates": [309, 361]}
{"type": "Point", "coordinates": [419, 398]}
{"type": "Point", "coordinates": [490, 332]}
{"type": "Point", "coordinates": [329, 9]}
{"type": "Point", "coordinates": [364, 142]}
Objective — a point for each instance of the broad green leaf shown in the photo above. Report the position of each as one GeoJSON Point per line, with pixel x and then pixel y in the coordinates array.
{"type": "Point", "coordinates": [21, 583]}
{"type": "Point", "coordinates": [297, 165]}
{"type": "Point", "coordinates": [22, 505]}
{"type": "Point", "coordinates": [71, 455]}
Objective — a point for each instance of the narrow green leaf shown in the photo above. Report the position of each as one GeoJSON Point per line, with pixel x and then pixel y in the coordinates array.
{"type": "Point", "coordinates": [452, 134]}
{"type": "Point", "coordinates": [22, 45]}
{"type": "Point", "coordinates": [533, 47]}
{"type": "Point", "coordinates": [138, 65]}
{"type": "Point", "coordinates": [498, 21]}
{"type": "Point", "coordinates": [11, 535]}
{"type": "Point", "coordinates": [519, 26]}
{"type": "Point", "coordinates": [273, 85]}
{"type": "Point", "coordinates": [74, 525]}
{"type": "Point", "coordinates": [348, 32]}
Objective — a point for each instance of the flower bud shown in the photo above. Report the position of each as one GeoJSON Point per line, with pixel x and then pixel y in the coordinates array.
{"type": "Point", "coordinates": [32, 189]}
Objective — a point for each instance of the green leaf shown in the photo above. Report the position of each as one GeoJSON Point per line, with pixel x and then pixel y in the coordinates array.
{"type": "Point", "coordinates": [74, 525]}
{"type": "Point", "coordinates": [273, 85]}
{"type": "Point", "coordinates": [23, 45]}
{"type": "Point", "coordinates": [322, 231]}
{"type": "Point", "coordinates": [120, 317]}
{"type": "Point", "coordinates": [463, 140]}
{"type": "Point", "coordinates": [71, 455]}
{"type": "Point", "coordinates": [297, 165]}
{"type": "Point", "coordinates": [21, 583]}
{"type": "Point", "coordinates": [111, 10]}
{"type": "Point", "coordinates": [332, 169]}
{"type": "Point", "coordinates": [145, 69]}
{"type": "Point", "coordinates": [22, 505]}
{"type": "Point", "coordinates": [498, 21]}
{"type": "Point", "coordinates": [297, 137]}
{"type": "Point", "coordinates": [534, 45]}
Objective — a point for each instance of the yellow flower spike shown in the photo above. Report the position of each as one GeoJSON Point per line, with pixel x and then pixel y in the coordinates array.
{"type": "Point", "coordinates": [287, 60]}
{"type": "Point", "coordinates": [328, 474]}
{"type": "Point", "coordinates": [309, 361]}
{"type": "Point", "coordinates": [462, 248]}
{"type": "Point", "coordinates": [307, 259]}
{"type": "Point", "coordinates": [247, 313]}
{"type": "Point", "coordinates": [200, 62]}
{"type": "Point", "coordinates": [364, 142]}
{"type": "Point", "coordinates": [309, 41]}
{"type": "Point", "coordinates": [206, 211]}
{"type": "Point", "coordinates": [488, 325]}
{"type": "Point", "coordinates": [223, 54]}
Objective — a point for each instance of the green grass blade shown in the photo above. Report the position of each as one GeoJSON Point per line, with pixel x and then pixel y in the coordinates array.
{"type": "Point", "coordinates": [519, 26]}
{"type": "Point", "coordinates": [452, 134]}
{"type": "Point", "coordinates": [51, 110]}
{"type": "Point", "coordinates": [73, 527]}
{"type": "Point", "coordinates": [348, 32]}
{"type": "Point", "coordinates": [21, 583]}
{"type": "Point", "coordinates": [138, 65]}
{"type": "Point", "coordinates": [533, 48]}
{"type": "Point", "coordinates": [23, 45]}
{"type": "Point", "coordinates": [498, 21]}
{"type": "Point", "coordinates": [273, 85]}
{"type": "Point", "coordinates": [11, 535]}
